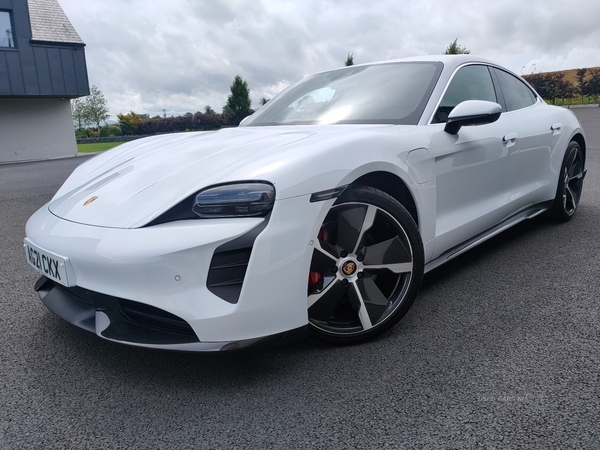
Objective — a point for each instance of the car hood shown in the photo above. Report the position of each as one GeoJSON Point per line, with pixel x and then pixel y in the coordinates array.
{"type": "Point", "coordinates": [132, 184]}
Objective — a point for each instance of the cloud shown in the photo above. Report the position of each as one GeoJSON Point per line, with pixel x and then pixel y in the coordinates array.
{"type": "Point", "coordinates": [149, 55]}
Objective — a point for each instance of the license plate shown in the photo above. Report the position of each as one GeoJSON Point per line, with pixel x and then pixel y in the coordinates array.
{"type": "Point", "coordinates": [49, 264]}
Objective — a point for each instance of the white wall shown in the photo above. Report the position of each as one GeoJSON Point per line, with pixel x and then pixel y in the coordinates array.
{"type": "Point", "coordinates": [36, 128]}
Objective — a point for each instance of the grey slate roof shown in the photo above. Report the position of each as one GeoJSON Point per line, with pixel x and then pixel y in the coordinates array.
{"type": "Point", "coordinates": [50, 23]}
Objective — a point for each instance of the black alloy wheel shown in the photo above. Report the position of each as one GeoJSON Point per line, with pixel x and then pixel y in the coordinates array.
{"type": "Point", "coordinates": [570, 184]}
{"type": "Point", "coordinates": [366, 269]}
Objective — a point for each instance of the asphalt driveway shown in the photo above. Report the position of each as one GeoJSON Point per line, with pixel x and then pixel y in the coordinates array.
{"type": "Point", "coordinates": [500, 350]}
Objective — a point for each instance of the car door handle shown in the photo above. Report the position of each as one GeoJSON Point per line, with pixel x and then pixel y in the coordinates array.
{"type": "Point", "coordinates": [556, 128]}
{"type": "Point", "coordinates": [510, 137]}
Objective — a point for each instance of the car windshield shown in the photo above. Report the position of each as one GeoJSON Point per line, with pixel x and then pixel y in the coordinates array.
{"type": "Point", "coordinates": [383, 93]}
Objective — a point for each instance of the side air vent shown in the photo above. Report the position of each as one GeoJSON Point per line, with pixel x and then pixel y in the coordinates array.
{"type": "Point", "coordinates": [227, 272]}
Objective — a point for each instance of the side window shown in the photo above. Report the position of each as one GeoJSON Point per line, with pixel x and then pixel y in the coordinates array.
{"type": "Point", "coordinates": [516, 93]}
{"type": "Point", "coordinates": [469, 83]}
{"type": "Point", "coordinates": [7, 38]}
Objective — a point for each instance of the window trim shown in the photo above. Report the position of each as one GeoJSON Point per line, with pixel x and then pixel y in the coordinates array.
{"type": "Point", "coordinates": [499, 91]}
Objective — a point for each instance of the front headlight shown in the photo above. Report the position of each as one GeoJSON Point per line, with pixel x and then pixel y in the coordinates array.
{"type": "Point", "coordinates": [235, 200]}
{"type": "Point", "coordinates": [243, 199]}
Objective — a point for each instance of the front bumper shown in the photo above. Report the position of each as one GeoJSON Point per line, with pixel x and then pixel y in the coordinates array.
{"type": "Point", "coordinates": [166, 267]}
{"type": "Point", "coordinates": [137, 324]}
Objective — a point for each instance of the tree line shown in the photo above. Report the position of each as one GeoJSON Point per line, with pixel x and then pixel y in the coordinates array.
{"type": "Point", "coordinates": [93, 109]}
{"type": "Point", "coordinates": [553, 85]}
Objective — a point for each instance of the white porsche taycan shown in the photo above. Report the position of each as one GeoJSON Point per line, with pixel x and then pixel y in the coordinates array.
{"type": "Point", "coordinates": [320, 213]}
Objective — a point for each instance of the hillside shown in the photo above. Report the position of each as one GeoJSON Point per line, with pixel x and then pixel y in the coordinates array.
{"type": "Point", "coordinates": [570, 74]}
{"type": "Point", "coordinates": [562, 85]}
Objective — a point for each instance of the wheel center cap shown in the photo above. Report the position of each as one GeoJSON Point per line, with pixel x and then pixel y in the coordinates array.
{"type": "Point", "coordinates": [349, 268]}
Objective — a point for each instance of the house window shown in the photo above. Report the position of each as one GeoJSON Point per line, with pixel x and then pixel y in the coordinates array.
{"type": "Point", "coordinates": [7, 37]}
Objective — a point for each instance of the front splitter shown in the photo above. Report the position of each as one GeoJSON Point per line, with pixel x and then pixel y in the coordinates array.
{"type": "Point", "coordinates": [136, 324]}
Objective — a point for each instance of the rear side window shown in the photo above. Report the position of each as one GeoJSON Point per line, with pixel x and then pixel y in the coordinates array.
{"type": "Point", "coordinates": [469, 83]}
{"type": "Point", "coordinates": [517, 94]}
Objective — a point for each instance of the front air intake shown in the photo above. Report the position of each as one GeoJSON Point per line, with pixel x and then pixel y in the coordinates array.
{"type": "Point", "coordinates": [229, 264]}
{"type": "Point", "coordinates": [227, 272]}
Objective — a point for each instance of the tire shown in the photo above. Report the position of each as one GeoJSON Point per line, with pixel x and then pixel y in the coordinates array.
{"type": "Point", "coordinates": [570, 184]}
{"type": "Point", "coordinates": [366, 269]}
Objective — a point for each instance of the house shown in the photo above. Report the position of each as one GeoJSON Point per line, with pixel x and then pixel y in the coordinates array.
{"type": "Point", "coordinates": [42, 67]}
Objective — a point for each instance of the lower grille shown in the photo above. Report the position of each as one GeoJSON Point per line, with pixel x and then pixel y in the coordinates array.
{"type": "Point", "coordinates": [152, 317]}
{"type": "Point", "coordinates": [129, 320]}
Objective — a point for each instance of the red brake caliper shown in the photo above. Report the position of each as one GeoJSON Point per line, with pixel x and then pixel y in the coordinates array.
{"type": "Point", "coordinates": [315, 277]}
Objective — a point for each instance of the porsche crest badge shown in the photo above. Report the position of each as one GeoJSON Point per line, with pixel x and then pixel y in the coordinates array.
{"type": "Point", "coordinates": [349, 268]}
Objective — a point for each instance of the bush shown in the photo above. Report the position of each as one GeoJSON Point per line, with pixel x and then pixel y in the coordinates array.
{"type": "Point", "coordinates": [129, 123]}
{"type": "Point", "coordinates": [109, 131]}
{"type": "Point", "coordinates": [140, 124]}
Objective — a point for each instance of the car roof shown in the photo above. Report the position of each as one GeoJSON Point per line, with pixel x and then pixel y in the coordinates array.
{"type": "Point", "coordinates": [450, 61]}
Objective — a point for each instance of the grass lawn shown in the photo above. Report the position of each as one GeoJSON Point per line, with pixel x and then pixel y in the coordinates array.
{"type": "Point", "coordinates": [96, 147]}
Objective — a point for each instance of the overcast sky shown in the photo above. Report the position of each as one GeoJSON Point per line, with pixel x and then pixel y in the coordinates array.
{"type": "Point", "coordinates": [181, 55]}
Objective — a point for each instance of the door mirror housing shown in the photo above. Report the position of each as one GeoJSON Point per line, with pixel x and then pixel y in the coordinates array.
{"type": "Point", "coordinates": [472, 112]}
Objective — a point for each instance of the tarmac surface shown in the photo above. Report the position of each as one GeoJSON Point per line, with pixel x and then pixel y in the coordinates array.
{"type": "Point", "coordinates": [500, 350]}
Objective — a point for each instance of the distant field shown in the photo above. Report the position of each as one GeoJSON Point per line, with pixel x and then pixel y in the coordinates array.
{"type": "Point", "coordinates": [96, 147]}
{"type": "Point", "coordinates": [571, 74]}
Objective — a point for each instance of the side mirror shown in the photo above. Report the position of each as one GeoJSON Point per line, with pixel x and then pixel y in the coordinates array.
{"type": "Point", "coordinates": [472, 112]}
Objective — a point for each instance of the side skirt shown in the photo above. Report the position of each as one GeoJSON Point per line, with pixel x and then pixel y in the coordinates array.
{"type": "Point", "coordinates": [529, 213]}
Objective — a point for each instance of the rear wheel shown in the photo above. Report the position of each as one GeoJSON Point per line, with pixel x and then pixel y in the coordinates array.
{"type": "Point", "coordinates": [366, 269]}
{"type": "Point", "coordinates": [570, 184]}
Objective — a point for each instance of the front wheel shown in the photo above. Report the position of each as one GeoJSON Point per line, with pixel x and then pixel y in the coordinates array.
{"type": "Point", "coordinates": [366, 268]}
{"type": "Point", "coordinates": [570, 184]}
